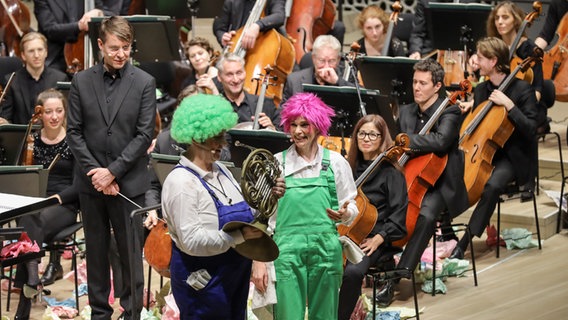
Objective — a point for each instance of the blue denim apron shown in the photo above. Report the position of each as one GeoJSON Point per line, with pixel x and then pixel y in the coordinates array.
{"type": "Point", "coordinates": [225, 295]}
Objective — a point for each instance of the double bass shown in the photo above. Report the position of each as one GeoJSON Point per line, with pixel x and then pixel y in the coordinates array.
{"type": "Point", "coordinates": [308, 20]}
{"type": "Point", "coordinates": [483, 132]}
{"type": "Point", "coordinates": [271, 48]}
{"type": "Point", "coordinates": [423, 171]}
{"type": "Point", "coordinates": [555, 60]}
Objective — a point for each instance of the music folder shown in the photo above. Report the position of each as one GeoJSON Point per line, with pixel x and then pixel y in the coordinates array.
{"type": "Point", "coordinates": [13, 206]}
{"type": "Point", "coordinates": [345, 102]}
{"type": "Point", "coordinates": [11, 138]}
{"type": "Point", "coordinates": [273, 141]}
{"type": "Point", "coordinates": [452, 26]}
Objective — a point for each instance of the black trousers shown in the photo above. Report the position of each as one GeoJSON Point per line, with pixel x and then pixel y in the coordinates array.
{"type": "Point", "coordinates": [502, 175]}
{"type": "Point", "coordinates": [100, 214]}
{"type": "Point", "coordinates": [432, 206]}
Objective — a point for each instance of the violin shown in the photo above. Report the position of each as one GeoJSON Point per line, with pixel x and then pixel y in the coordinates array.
{"type": "Point", "coordinates": [423, 171]}
{"type": "Point", "coordinates": [396, 7]}
{"type": "Point", "coordinates": [27, 145]}
{"type": "Point", "coordinates": [365, 221]}
{"type": "Point", "coordinates": [527, 75]}
{"type": "Point", "coordinates": [483, 132]}
{"type": "Point", "coordinates": [15, 21]}
{"type": "Point", "coordinates": [554, 63]}
{"type": "Point", "coordinates": [308, 20]}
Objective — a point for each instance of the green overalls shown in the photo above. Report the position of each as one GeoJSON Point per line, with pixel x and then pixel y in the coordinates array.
{"type": "Point", "coordinates": [310, 266]}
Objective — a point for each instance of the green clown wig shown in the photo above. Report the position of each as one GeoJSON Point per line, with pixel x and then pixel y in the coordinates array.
{"type": "Point", "coordinates": [200, 117]}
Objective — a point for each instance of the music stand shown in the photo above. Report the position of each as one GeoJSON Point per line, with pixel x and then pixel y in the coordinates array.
{"type": "Point", "coordinates": [164, 163]}
{"type": "Point", "coordinates": [179, 8]}
{"type": "Point", "coordinates": [392, 76]}
{"type": "Point", "coordinates": [273, 141]}
{"type": "Point", "coordinates": [345, 102]}
{"type": "Point", "coordinates": [155, 38]}
{"type": "Point", "coordinates": [11, 137]}
{"type": "Point", "coordinates": [463, 30]}
{"type": "Point", "coordinates": [24, 180]}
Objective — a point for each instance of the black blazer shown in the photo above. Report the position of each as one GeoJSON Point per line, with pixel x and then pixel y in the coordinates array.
{"type": "Point", "coordinates": [116, 138]}
{"type": "Point", "coordinates": [442, 139]}
{"type": "Point", "coordinates": [18, 105]}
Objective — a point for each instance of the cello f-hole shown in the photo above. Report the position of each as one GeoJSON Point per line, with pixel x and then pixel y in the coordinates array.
{"type": "Point", "coordinates": [475, 149]}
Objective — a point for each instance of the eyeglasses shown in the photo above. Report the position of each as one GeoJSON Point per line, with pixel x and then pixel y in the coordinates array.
{"type": "Point", "coordinates": [372, 135]}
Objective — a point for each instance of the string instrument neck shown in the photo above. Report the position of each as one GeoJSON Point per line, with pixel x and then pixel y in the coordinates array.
{"type": "Point", "coordinates": [396, 7]}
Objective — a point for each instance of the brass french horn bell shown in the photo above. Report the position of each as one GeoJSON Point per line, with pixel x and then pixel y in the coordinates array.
{"type": "Point", "coordinates": [258, 176]}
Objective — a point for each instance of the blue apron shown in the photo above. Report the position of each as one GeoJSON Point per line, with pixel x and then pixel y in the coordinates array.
{"type": "Point", "coordinates": [225, 295]}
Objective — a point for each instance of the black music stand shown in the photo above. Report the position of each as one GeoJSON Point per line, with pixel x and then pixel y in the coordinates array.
{"type": "Point", "coordinates": [463, 30]}
{"type": "Point", "coordinates": [180, 9]}
{"type": "Point", "coordinates": [11, 137]}
{"type": "Point", "coordinates": [345, 102]}
{"type": "Point", "coordinates": [392, 76]}
{"type": "Point", "coordinates": [155, 38]}
{"type": "Point", "coordinates": [24, 180]}
{"type": "Point", "coordinates": [273, 141]}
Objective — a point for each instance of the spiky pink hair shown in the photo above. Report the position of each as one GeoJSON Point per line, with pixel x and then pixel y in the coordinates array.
{"type": "Point", "coordinates": [309, 106]}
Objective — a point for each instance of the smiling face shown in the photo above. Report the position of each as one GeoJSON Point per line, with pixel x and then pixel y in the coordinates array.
{"type": "Point", "coordinates": [116, 52]}
{"type": "Point", "coordinates": [199, 58]}
{"type": "Point", "coordinates": [53, 116]}
{"type": "Point", "coordinates": [304, 135]}
{"type": "Point", "coordinates": [486, 65]}
{"type": "Point", "coordinates": [232, 77]}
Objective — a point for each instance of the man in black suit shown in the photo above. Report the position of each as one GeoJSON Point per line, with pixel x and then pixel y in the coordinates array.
{"type": "Point", "coordinates": [112, 110]}
{"type": "Point", "coordinates": [33, 78]}
{"type": "Point", "coordinates": [325, 57]}
{"type": "Point", "coordinates": [449, 192]}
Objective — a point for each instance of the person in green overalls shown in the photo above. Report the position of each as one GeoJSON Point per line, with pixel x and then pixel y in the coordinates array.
{"type": "Point", "coordinates": [320, 193]}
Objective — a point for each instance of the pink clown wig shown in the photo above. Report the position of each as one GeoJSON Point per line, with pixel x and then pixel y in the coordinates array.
{"type": "Point", "coordinates": [309, 106]}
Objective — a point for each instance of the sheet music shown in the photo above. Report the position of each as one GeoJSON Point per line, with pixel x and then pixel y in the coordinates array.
{"type": "Point", "coordinates": [10, 201]}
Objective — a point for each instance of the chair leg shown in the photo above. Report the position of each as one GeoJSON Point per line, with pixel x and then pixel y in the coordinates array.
{"type": "Point", "coordinates": [470, 237]}
{"type": "Point", "coordinates": [149, 287]}
{"type": "Point", "coordinates": [415, 298]}
{"type": "Point", "coordinates": [74, 266]}
{"type": "Point", "coordinates": [374, 296]}
{"type": "Point", "coordinates": [536, 221]}
{"type": "Point", "coordinates": [433, 265]}
{"type": "Point", "coordinates": [498, 227]}
{"type": "Point", "coordinates": [559, 216]}
{"type": "Point", "coordinates": [9, 289]}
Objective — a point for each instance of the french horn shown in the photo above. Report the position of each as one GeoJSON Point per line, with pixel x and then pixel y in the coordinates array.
{"type": "Point", "coordinates": [258, 175]}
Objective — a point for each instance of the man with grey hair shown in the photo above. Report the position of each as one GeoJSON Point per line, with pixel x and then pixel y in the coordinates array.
{"type": "Point", "coordinates": [232, 76]}
{"type": "Point", "coordinates": [325, 57]}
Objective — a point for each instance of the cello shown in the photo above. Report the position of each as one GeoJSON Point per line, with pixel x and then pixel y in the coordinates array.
{"type": "Point", "coordinates": [15, 22]}
{"type": "Point", "coordinates": [554, 64]}
{"type": "Point", "coordinates": [481, 138]}
{"type": "Point", "coordinates": [527, 22]}
{"type": "Point", "coordinates": [271, 48]}
{"type": "Point", "coordinates": [396, 7]}
{"type": "Point", "coordinates": [423, 171]}
{"type": "Point", "coordinates": [365, 221]}
{"type": "Point", "coordinates": [308, 20]}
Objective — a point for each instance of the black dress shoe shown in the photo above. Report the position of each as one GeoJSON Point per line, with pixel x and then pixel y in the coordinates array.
{"type": "Point", "coordinates": [457, 253]}
{"type": "Point", "coordinates": [385, 296]}
{"type": "Point", "coordinates": [52, 273]}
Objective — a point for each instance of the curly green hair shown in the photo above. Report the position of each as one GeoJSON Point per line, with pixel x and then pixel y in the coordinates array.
{"type": "Point", "coordinates": [200, 117]}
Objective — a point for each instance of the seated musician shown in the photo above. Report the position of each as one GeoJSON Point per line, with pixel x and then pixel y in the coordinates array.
{"type": "Point", "coordinates": [29, 81]}
{"type": "Point", "coordinates": [232, 75]}
{"type": "Point", "coordinates": [386, 190]}
{"type": "Point", "coordinates": [510, 162]}
{"type": "Point", "coordinates": [210, 280]}
{"type": "Point", "coordinates": [320, 193]}
{"type": "Point", "coordinates": [49, 143]}
{"type": "Point", "coordinates": [374, 22]}
{"type": "Point", "coordinates": [200, 54]}
{"type": "Point", "coordinates": [326, 52]}
{"type": "Point", "coordinates": [420, 42]}
{"type": "Point", "coordinates": [234, 15]}
{"type": "Point", "coordinates": [556, 11]}
{"type": "Point", "coordinates": [448, 196]}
